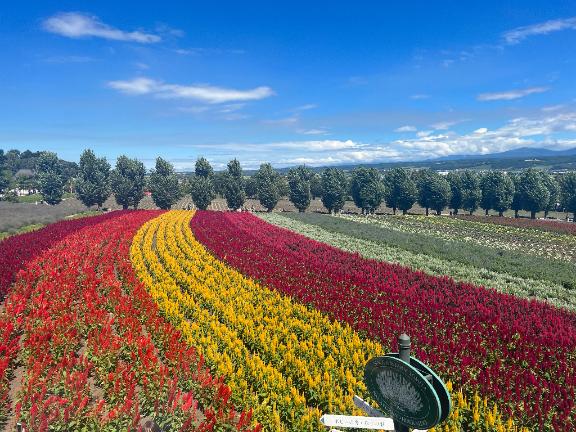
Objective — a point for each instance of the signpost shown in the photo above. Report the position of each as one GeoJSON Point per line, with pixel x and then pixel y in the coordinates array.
{"type": "Point", "coordinates": [404, 388]}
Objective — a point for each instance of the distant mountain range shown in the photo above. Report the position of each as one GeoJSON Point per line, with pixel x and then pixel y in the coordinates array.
{"type": "Point", "coordinates": [522, 152]}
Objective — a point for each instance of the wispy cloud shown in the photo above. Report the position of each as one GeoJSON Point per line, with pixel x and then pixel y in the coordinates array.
{"type": "Point", "coordinates": [68, 59]}
{"type": "Point", "coordinates": [419, 96]}
{"type": "Point", "coordinates": [205, 93]}
{"type": "Point", "coordinates": [511, 94]}
{"type": "Point", "coordinates": [286, 121]}
{"type": "Point", "coordinates": [406, 128]}
{"type": "Point", "coordinates": [79, 25]}
{"type": "Point", "coordinates": [519, 34]}
{"type": "Point", "coordinates": [313, 131]}
{"type": "Point", "coordinates": [305, 107]}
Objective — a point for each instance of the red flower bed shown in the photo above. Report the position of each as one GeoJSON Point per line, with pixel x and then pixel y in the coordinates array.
{"type": "Point", "coordinates": [518, 352]}
{"type": "Point", "coordinates": [541, 224]}
{"type": "Point", "coordinates": [95, 352]}
{"type": "Point", "coordinates": [17, 250]}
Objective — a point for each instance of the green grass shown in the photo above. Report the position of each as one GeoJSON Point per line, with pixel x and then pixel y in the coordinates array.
{"type": "Point", "coordinates": [21, 230]}
{"type": "Point", "coordinates": [498, 261]}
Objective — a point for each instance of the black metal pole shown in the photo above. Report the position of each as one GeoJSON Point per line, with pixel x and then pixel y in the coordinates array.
{"type": "Point", "coordinates": [404, 352]}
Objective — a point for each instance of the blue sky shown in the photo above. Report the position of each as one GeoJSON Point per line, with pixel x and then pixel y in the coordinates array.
{"type": "Point", "coordinates": [293, 82]}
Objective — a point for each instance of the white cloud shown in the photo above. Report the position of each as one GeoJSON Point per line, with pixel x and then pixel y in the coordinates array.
{"type": "Point", "coordinates": [511, 94]}
{"type": "Point", "coordinates": [287, 121]}
{"type": "Point", "coordinates": [316, 146]}
{"type": "Point", "coordinates": [480, 131]}
{"type": "Point", "coordinates": [78, 25]}
{"type": "Point", "coordinates": [313, 131]}
{"type": "Point", "coordinates": [204, 93]}
{"type": "Point", "coordinates": [406, 128]}
{"type": "Point", "coordinates": [419, 96]}
{"type": "Point", "coordinates": [519, 34]}
{"type": "Point", "coordinates": [552, 108]}
{"type": "Point", "coordinates": [423, 134]}
{"type": "Point", "coordinates": [444, 125]}
{"type": "Point", "coordinates": [305, 107]}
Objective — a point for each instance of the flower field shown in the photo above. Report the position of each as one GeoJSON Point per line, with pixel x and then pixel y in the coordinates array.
{"type": "Point", "coordinates": [287, 362]}
{"type": "Point", "coordinates": [503, 346]}
{"type": "Point", "coordinates": [503, 261]}
{"type": "Point", "coordinates": [543, 225]}
{"type": "Point", "coordinates": [17, 250]}
{"type": "Point", "coordinates": [220, 321]}
{"type": "Point", "coordinates": [83, 346]}
{"type": "Point", "coordinates": [504, 237]}
{"type": "Point", "coordinates": [555, 294]}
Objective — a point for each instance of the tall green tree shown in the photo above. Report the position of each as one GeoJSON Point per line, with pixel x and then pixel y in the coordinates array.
{"type": "Point", "coordinates": [400, 191]}
{"type": "Point", "coordinates": [251, 187]}
{"type": "Point", "coordinates": [203, 168]}
{"type": "Point", "coordinates": [164, 185]}
{"type": "Point", "coordinates": [367, 189]}
{"type": "Point", "coordinates": [454, 178]}
{"type": "Point", "coordinates": [267, 185]}
{"type": "Point", "coordinates": [334, 189]}
{"type": "Point", "coordinates": [471, 192]}
{"type": "Point", "coordinates": [534, 194]}
{"type": "Point", "coordinates": [568, 193]}
{"type": "Point", "coordinates": [433, 191]}
{"type": "Point", "coordinates": [316, 186]}
{"type": "Point", "coordinates": [50, 178]}
{"type": "Point", "coordinates": [497, 192]}
{"type": "Point", "coordinates": [299, 183]}
{"type": "Point", "coordinates": [93, 183]}
{"type": "Point", "coordinates": [201, 186]}
{"type": "Point", "coordinates": [4, 181]}
{"type": "Point", "coordinates": [554, 190]}
{"type": "Point", "coordinates": [516, 204]}
{"type": "Point", "coordinates": [128, 180]}
{"type": "Point", "coordinates": [234, 186]}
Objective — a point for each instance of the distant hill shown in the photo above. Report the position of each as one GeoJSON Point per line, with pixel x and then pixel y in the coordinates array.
{"type": "Point", "coordinates": [522, 152]}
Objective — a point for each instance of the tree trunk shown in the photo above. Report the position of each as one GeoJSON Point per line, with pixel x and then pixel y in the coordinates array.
{"type": "Point", "coordinates": [268, 210]}
{"type": "Point", "coordinates": [300, 210]}
{"type": "Point", "coordinates": [394, 210]}
{"type": "Point", "coordinates": [427, 212]}
{"type": "Point", "coordinates": [471, 211]}
{"type": "Point", "coordinates": [532, 215]}
{"type": "Point", "coordinates": [124, 206]}
{"type": "Point", "coordinates": [486, 212]}
{"type": "Point", "coordinates": [500, 213]}
{"type": "Point", "coordinates": [404, 212]}
{"type": "Point", "coordinates": [546, 214]}
{"type": "Point", "coordinates": [516, 214]}
{"type": "Point", "coordinates": [455, 211]}
{"type": "Point", "coordinates": [438, 212]}
{"type": "Point", "coordinates": [574, 217]}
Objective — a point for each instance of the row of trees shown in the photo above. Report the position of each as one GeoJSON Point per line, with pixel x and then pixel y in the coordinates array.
{"type": "Point", "coordinates": [96, 181]}
{"type": "Point", "coordinates": [531, 190]}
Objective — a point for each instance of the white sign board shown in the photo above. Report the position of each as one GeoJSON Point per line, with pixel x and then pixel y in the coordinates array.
{"type": "Point", "coordinates": [357, 422]}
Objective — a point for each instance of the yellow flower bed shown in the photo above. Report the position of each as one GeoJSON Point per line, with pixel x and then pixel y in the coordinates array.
{"type": "Point", "coordinates": [287, 362]}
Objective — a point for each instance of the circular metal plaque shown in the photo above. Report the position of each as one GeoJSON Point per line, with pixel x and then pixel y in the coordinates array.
{"type": "Point", "coordinates": [403, 392]}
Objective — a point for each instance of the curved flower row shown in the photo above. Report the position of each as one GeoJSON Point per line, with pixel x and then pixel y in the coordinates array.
{"type": "Point", "coordinates": [552, 293]}
{"type": "Point", "coordinates": [285, 360]}
{"type": "Point", "coordinates": [539, 224]}
{"type": "Point", "coordinates": [17, 250]}
{"type": "Point", "coordinates": [521, 353]}
{"type": "Point", "coordinates": [502, 237]}
{"type": "Point", "coordinates": [92, 349]}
